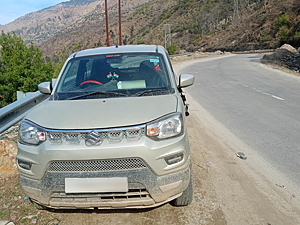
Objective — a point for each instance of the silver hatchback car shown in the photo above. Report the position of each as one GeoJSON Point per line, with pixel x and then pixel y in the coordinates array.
{"type": "Point", "coordinates": [111, 135]}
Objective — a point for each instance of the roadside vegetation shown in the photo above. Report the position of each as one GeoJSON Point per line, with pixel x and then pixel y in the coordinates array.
{"type": "Point", "coordinates": [22, 68]}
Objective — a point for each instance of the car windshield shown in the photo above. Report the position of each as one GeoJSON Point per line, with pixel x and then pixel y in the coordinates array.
{"type": "Point", "coordinates": [114, 75]}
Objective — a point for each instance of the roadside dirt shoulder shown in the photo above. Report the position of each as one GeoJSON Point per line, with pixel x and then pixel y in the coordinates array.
{"type": "Point", "coordinates": [244, 194]}
{"type": "Point", "coordinates": [248, 191]}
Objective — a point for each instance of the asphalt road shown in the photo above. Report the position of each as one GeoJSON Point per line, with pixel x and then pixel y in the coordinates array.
{"type": "Point", "coordinates": [261, 106]}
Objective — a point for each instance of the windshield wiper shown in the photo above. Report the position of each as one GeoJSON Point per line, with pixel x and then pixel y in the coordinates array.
{"type": "Point", "coordinates": [107, 93]}
{"type": "Point", "coordinates": [154, 91]}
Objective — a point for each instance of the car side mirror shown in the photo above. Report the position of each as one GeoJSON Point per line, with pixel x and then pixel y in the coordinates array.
{"type": "Point", "coordinates": [45, 87]}
{"type": "Point", "coordinates": [186, 80]}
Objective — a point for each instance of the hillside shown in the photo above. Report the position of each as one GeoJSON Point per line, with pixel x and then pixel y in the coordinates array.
{"type": "Point", "coordinates": [229, 25]}
{"type": "Point", "coordinates": [40, 25]}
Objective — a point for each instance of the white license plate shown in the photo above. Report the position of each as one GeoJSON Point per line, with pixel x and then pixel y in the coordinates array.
{"type": "Point", "coordinates": [96, 185]}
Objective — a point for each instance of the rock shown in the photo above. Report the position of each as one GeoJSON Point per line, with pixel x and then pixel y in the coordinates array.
{"type": "Point", "coordinates": [8, 152]}
{"type": "Point", "coordinates": [289, 48]}
{"type": "Point", "coordinates": [282, 52]}
{"type": "Point", "coordinates": [241, 155]}
{"type": "Point", "coordinates": [11, 133]}
{"type": "Point", "coordinates": [218, 52]}
{"type": "Point", "coordinates": [286, 56]}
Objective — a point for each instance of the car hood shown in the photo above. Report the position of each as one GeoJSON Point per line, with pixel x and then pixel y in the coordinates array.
{"type": "Point", "coordinates": [102, 113]}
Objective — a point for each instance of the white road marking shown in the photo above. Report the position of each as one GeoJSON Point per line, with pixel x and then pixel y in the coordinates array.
{"type": "Point", "coordinates": [265, 93]}
{"type": "Point", "coordinates": [274, 96]}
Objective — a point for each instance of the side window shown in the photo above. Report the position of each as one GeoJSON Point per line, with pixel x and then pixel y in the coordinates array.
{"type": "Point", "coordinates": [69, 76]}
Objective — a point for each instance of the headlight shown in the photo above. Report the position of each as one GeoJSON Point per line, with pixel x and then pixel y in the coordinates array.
{"type": "Point", "coordinates": [166, 127]}
{"type": "Point", "coordinates": [30, 133]}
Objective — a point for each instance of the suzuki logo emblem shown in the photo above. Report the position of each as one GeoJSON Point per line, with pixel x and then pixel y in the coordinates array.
{"type": "Point", "coordinates": [93, 138]}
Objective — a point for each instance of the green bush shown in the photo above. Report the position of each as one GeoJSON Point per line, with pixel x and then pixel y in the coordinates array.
{"type": "Point", "coordinates": [266, 37]}
{"type": "Point", "coordinates": [22, 68]}
{"type": "Point", "coordinates": [197, 40]}
{"type": "Point", "coordinates": [283, 27]}
{"type": "Point", "coordinates": [297, 36]}
{"type": "Point", "coordinates": [283, 20]}
{"type": "Point", "coordinates": [172, 49]}
{"type": "Point", "coordinates": [283, 33]}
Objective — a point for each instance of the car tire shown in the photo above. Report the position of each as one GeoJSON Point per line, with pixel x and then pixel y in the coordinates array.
{"type": "Point", "coordinates": [187, 196]}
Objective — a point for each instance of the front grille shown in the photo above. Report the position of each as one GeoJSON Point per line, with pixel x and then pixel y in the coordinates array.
{"type": "Point", "coordinates": [112, 135]}
{"type": "Point", "coordinates": [97, 165]}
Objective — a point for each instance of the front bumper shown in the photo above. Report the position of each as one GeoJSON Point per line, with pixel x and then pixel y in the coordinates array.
{"type": "Point", "coordinates": [146, 189]}
{"type": "Point", "coordinates": [151, 180]}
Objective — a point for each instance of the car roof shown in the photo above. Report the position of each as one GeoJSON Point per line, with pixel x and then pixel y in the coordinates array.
{"type": "Point", "coordinates": [119, 49]}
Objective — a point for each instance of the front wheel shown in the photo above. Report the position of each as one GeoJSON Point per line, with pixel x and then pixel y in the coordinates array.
{"type": "Point", "coordinates": [187, 196]}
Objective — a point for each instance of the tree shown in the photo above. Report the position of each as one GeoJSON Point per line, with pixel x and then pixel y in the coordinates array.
{"type": "Point", "coordinates": [22, 68]}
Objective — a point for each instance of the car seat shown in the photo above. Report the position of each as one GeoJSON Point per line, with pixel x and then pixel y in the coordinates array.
{"type": "Point", "coordinates": [100, 70]}
{"type": "Point", "coordinates": [151, 76]}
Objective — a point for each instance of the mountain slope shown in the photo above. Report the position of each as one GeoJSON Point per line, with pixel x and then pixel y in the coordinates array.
{"type": "Point", "coordinates": [205, 25]}
{"type": "Point", "coordinates": [41, 25]}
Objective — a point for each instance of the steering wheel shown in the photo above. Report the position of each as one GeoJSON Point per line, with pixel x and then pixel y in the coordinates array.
{"type": "Point", "coordinates": [91, 81]}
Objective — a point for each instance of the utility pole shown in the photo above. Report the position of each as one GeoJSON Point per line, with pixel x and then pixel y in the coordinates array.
{"type": "Point", "coordinates": [107, 28]}
{"type": "Point", "coordinates": [168, 35]}
{"type": "Point", "coordinates": [120, 24]}
{"type": "Point", "coordinates": [236, 14]}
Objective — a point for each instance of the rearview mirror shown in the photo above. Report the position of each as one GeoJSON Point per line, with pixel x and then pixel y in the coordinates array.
{"type": "Point", "coordinates": [45, 87]}
{"type": "Point", "coordinates": [186, 80]}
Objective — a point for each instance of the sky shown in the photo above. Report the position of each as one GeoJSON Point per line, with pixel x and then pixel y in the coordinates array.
{"type": "Point", "coordinates": [13, 9]}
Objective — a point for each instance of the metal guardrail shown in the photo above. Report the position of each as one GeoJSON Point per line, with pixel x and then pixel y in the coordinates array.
{"type": "Point", "coordinates": [14, 112]}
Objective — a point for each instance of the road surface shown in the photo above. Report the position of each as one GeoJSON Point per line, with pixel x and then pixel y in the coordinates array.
{"type": "Point", "coordinates": [259, 105]}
